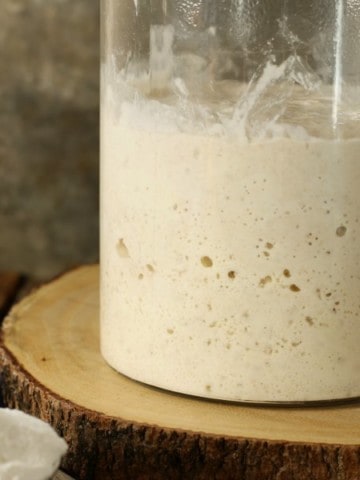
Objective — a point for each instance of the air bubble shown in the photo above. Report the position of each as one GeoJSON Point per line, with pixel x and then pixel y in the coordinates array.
{"type": "Point", "coordinates": [206, 262]}
{"type": "Point", "coordinates": [122, 249]}
{"type": "Point", "coordinates": [340, 231]}
{"type": "Point", "coordinates": [264, 281]}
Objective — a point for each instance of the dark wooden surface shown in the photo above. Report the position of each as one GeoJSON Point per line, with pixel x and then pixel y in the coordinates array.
{"type": "Point", "coordinates": [11, 285]}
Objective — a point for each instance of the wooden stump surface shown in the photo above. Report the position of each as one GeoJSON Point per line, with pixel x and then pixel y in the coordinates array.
{"type": "Point", "coordinates": [50, 366]}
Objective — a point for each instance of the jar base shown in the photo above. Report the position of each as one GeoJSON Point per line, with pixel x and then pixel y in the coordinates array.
{"type": "Point", "coordinates": [247, 402]}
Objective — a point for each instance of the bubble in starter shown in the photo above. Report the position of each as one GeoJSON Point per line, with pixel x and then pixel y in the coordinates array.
{"type": "Point", "coordinates": [206, 261]}
{"type": "Point", "coordinates": [286, 273]}
{"type": "Point", "coordinates": [122, 249]}
{"type": "Point", "coordinates": [340, 231]}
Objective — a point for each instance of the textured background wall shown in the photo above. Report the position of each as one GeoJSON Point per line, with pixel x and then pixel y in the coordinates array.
{"type": "Point", "coordinates": [49, 54]}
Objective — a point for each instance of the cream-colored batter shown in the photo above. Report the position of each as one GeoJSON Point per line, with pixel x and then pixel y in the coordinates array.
{"type": "Point", "coordinates": [231, 270]}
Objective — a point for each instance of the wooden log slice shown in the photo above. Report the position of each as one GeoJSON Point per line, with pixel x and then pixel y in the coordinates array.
{"type": "Point", "coordinates": [120, 429]}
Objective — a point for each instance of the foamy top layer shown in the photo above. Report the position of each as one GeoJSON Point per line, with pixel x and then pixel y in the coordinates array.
{"type": "Point", "coordinates": [182, 92]}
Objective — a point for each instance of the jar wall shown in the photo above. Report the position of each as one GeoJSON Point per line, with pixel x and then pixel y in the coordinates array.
{"type": "Point", "coordinates": [229, 205]}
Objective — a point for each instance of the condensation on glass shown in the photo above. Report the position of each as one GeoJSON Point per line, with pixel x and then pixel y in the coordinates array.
{"type": "Point", "coordinates": [230, 193]}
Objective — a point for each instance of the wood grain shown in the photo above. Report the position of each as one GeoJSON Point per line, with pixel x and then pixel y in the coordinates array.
{"type": "Point", "coordinates": [118, 428]}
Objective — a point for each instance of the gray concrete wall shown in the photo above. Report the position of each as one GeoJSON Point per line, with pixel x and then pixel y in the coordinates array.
{"type": "Point", "coordinates": [49, 55]}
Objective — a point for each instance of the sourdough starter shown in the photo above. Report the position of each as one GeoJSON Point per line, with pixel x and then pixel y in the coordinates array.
{"type": "Point", "coordinates": [230, 268]}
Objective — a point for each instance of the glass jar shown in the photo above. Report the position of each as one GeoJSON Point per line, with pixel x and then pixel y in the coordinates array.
{"type": "Point", "coordinates": [230, 176]}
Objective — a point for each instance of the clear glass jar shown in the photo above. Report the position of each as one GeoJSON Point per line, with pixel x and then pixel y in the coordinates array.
{"type": "Point", "coordinates": [230, 177]}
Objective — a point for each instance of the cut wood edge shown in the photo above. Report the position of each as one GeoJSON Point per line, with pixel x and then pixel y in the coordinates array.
{"type": "Point", "coordinates": [62, 476]}
{"type": "Point", "coordinates": [106, 448]}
